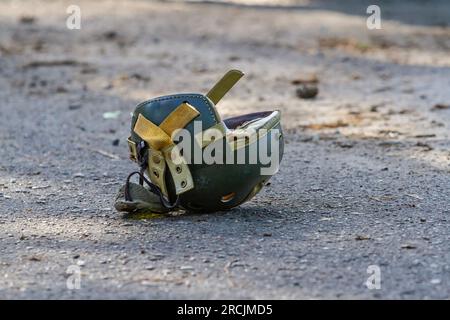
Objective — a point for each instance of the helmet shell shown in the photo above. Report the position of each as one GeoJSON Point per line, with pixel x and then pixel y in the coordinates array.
{"type": "Point", "coordinates": [217, 186]}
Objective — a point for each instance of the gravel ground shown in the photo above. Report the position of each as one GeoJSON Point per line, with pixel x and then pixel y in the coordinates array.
{"type": "Point", "coordinates": [365, 179]}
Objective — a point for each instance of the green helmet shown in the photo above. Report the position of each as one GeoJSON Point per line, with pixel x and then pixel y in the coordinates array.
{"type": "Point", "coordinates": [189, 158]}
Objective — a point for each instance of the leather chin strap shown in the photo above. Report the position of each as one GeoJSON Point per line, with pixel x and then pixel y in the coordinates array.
{"type": "Point", "coordinates": [153, 188]}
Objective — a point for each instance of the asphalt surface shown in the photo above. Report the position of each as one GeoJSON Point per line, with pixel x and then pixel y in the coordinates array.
{"type": "Point", "coordinates": [341, 202]}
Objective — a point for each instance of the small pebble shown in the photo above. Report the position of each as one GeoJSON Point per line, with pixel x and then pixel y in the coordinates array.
{"type": "Point", "coordinates": [441, 106]}
{"type": "Point", "coordinates": [74, 106]}
{"type": "Point", "coordinates": [408, 246]}
{"type": "Point", "coordinates": [435, 281]}
{"type": "Point", "coordinates": [27, 19]}
{"type": "Point", "coordinates": [81, 263]}
{"type": "Point", "coordinates": [307, 91]}
{"type": "Point", "coordinates": [186, 268]}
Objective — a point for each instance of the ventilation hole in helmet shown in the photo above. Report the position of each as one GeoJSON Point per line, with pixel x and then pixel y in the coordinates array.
{"type": "Point", "coordinates": [228, 197]}
{"type": "Point", "coordinates": [156, 174]}
{"type": "Point", "coordinates": [178, 169]}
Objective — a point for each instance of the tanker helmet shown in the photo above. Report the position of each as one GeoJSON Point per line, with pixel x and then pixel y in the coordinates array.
{"type": "Point", "coordinates": [191, 159]}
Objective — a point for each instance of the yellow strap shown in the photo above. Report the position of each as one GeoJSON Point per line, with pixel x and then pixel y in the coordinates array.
{"type": "Point", "coordinates": [224, 85]}
{"type": "Point", "coordinates": [156, 170]}
{"type": "Point", "coordinates": [132, 148]}
{"type": "Point", "coordinates": [151, 133]}
{"type": "Point", "coordinates": [160, 137]}
{"type": "Point", "coordinates": [179, 118]}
